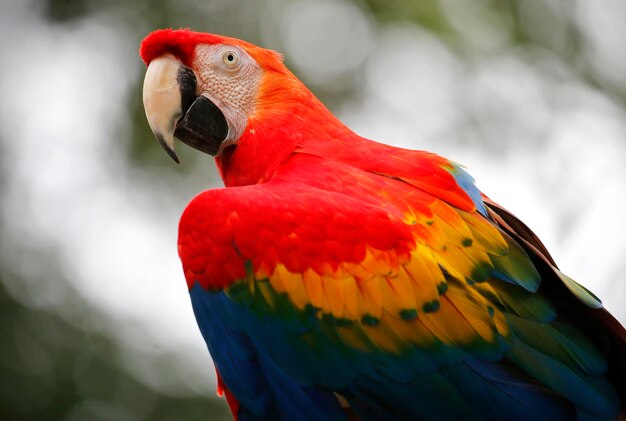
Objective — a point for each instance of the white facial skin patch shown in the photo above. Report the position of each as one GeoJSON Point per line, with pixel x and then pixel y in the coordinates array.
{"type": "Point", "coordinates": [230, 78]}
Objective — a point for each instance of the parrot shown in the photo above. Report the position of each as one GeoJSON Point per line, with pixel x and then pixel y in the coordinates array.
{"type": "Point", "coordinates": [334, 277]}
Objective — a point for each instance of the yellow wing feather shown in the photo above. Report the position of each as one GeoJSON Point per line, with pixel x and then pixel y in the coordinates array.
{"type": "Point", "coordinates": [392, 303]}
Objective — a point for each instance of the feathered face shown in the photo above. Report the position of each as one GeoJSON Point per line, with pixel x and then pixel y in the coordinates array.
{"type": "Point", "coordinates": [203, 89]}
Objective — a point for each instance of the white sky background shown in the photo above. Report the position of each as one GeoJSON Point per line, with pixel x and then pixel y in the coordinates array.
{"type": "Point", "coordinates": [546, 145]}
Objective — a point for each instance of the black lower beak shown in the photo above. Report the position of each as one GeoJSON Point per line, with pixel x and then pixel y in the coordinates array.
{"type": "Point", "coordinates": [203, 125]}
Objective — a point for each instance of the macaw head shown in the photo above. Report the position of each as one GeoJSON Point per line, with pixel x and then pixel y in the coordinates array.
{"type": "Point", "coordinates": [206, 89]}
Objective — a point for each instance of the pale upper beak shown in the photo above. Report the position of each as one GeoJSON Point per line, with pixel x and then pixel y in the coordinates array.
{"type": "Point", "coordinates": [173, 109]}
{"type": "Point", "coordinates": [162, 100]}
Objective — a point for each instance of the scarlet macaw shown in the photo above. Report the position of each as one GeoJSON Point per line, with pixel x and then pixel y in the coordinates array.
{"type": "Point", "coordinates": [335, 277]}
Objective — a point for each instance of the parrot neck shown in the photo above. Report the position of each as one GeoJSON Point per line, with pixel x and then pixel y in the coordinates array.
{"type": "Point", "coordinates": [274, 134]}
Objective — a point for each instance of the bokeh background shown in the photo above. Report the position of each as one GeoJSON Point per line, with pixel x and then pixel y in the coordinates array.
{"type": "Point", "coordinates": [95, 320]}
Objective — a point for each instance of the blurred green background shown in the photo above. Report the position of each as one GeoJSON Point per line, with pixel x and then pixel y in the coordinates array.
{"type": "Point", "coordinates": [95, 319]}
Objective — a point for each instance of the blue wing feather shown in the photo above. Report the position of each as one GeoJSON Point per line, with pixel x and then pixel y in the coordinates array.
{"type": "Point", "coordinates": [263, 390]}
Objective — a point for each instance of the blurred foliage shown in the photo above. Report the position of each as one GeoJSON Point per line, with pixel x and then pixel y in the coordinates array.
{"type": "Point", "coordinates": [51, 370]}
{"type": "Point", "coordinates": [426, 13]}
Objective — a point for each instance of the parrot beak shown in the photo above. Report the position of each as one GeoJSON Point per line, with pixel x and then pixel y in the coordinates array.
{"type": "Point", "coordinates": [173, 109]}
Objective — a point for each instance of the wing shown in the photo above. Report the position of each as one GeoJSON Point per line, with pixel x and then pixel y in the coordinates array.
{"type": "Point", "coordinates": [581, 306]}
{"type": "Point", "coordinates": [330, 284]}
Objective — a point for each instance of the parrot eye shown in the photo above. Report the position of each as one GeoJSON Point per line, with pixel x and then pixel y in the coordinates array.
{"type": "Point", "coordinates": [230, 59]}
